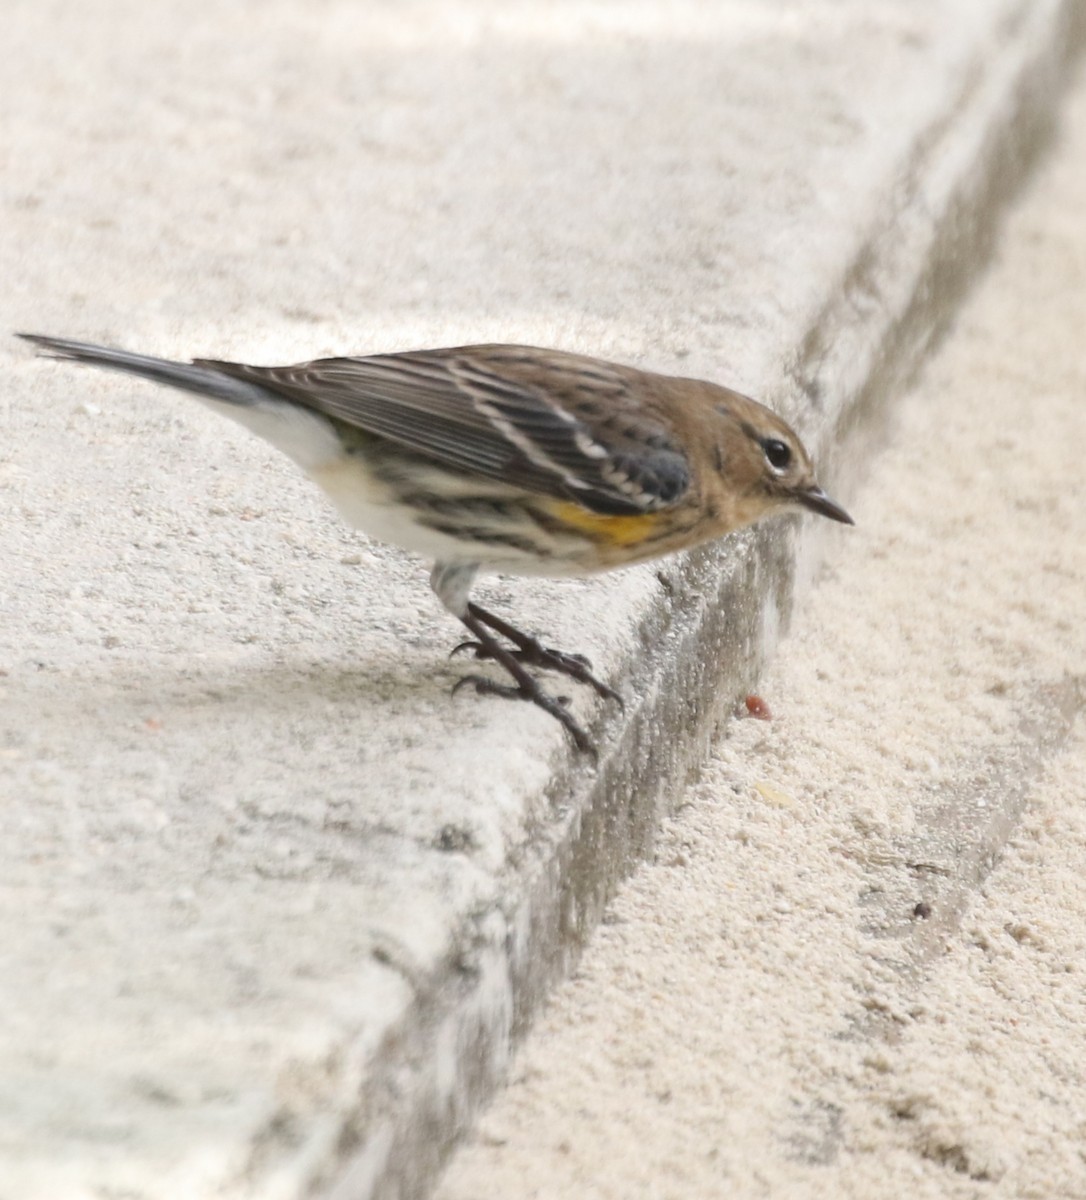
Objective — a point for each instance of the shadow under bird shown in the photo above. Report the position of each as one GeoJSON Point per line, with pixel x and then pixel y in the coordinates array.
{"type": "Point", "coordinates": [509, 459]}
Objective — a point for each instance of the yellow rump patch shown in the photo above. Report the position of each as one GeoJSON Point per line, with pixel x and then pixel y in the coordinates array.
{"type": "Point", "coordinates": [614, 531]}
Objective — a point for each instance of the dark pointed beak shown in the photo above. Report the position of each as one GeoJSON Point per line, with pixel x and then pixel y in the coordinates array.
{"type": "Point", "coordinates": [817, 501]}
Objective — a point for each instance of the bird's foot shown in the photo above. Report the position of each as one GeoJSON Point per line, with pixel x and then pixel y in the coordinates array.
{"type": "Point", "coordinates": [531, 652]}
{"type": "Point", "coordinates": [528, 688]}
{"type": "Point", "coordinates": [526, 652]}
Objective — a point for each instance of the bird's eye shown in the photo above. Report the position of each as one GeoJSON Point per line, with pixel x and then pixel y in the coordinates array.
{"type": "Point", "coordinates": [777, 453]}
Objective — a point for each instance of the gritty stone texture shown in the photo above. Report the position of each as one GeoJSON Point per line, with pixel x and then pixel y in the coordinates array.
{"type": "Point", "coordinates": [273, 903]}
{"type": "Point", "coordinates": [855, 966]}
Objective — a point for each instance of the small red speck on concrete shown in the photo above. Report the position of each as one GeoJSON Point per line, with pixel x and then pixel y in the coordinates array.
{"type": "Point", "coordinates": [758, 709]}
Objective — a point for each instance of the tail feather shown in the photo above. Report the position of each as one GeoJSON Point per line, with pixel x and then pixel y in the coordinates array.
{"type": "Point", "coordinates": [203, 381]}
{"type": "Point", "coordinates": [306, 436]}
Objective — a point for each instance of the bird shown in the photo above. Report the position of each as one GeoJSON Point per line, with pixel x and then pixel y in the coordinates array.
{"type": "Point", "coordinates": [508, 459]}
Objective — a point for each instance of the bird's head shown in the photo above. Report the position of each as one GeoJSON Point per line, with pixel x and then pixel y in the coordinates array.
{"type": "Point", "coordinates": [767, 462]}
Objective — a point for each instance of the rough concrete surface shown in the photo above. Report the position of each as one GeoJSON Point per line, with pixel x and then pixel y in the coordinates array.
{"type": "Point", "coordinates": [823, 986]}
{"type": "Point", "coordinates": [272, 902]}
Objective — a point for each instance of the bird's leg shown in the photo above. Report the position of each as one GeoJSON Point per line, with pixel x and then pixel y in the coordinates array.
{"type": "Point", "coordinates": [531, 651]}
{"type": "Point", "coordinates": [526, 686]}
{"type": "Point", "coordinates": [452, 584]}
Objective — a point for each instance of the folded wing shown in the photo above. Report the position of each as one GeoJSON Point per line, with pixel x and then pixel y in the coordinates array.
{"type": "Point", "coordinates": [554, 423]}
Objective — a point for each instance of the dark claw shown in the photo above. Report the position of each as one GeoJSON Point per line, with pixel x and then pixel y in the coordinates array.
{"type": "Point", "coordinates": [490, 687]}
{"type": "Point", "coordinates": [535, 695]}
{"type": "Point", "coordinates": [476, 648]}
{"type": "Point", "coordinates": [535, 656]}
{"type": "Point", "coordinates": [575, 666]}
{"type": "Point", "coordinates": [533, 653]}
{"type": "Point", "coordinates": [526, 652]}
{"type": "Point", "coordinates": [560, 659]}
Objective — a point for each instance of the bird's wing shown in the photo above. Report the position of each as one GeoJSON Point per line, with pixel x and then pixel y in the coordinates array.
{"type": "Point", "coordinates": [558, 424]}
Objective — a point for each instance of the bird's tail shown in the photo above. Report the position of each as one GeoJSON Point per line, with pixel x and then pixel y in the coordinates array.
{"type": "Point", "coordinates": [203, 381]}
{"type": "Point", "coordinates": [306, 436]}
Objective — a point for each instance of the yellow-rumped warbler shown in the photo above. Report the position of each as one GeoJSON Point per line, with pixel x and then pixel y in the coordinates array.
{"type": "Point", "coordinates": [510, 459]}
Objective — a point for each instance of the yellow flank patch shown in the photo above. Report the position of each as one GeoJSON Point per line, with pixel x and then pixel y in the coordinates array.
{"type": "Point", "coordinates": [614, 531]}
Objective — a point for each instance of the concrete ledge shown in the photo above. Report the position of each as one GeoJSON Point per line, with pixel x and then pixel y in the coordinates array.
{"type": "Point", "coordinates": [274, 922]}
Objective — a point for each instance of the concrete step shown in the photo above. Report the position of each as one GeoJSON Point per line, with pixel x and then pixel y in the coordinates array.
{"type": "Point", "coordinates": [276, 906]}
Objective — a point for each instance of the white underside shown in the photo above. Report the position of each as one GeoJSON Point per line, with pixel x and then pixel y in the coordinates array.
{"type": "Point", "coordinates": [311, 441]}
{"type": "Point", "coordinates": [306, 437]}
